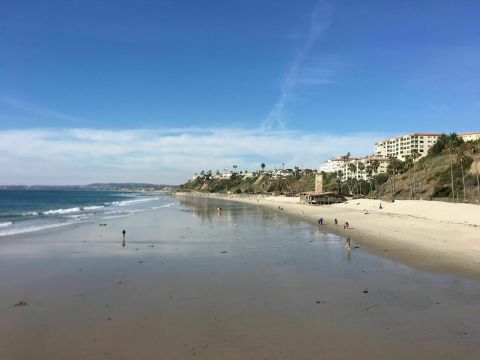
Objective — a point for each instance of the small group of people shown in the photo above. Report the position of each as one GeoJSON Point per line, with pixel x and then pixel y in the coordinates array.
{"type": "Point", "coordinates": [346, 225]}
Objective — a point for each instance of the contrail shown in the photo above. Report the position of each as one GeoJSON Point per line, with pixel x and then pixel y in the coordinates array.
{"type": "Point", "coordinates": [319, 21]}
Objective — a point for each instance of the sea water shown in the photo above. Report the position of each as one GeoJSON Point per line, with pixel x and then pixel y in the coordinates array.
{"type": "Point", "coordinates": [28, 210]}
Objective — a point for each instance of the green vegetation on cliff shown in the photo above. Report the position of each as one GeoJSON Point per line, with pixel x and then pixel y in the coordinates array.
{"type": "Point", "coordinates": [258, 183]}
{"type": "Point", "coordinates": [449, 172]}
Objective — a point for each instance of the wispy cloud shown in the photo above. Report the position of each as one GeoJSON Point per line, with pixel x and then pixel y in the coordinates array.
{"type": "Point", "coordinates": [74, 156]}
{"type": "Point", "coordinates": [319, 21]}
{"type": "Point", "coordinates": [39, 111]}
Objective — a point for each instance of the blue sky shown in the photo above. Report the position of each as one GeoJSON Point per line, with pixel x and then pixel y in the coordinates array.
{"type": "Point", "coordinates": [364, 69]}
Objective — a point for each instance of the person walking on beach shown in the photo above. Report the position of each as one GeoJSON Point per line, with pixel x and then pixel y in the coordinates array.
{"type": "Point", "coordinates": [348, 243]}
{"type": "Point", "coordinates": [336, 221]}
{"type": "Point", "coordinates": [123, 233]}
{"type": "Point", "coordinates": [346, 225]}
{"type": "Point", "coordinates": [320, 220]}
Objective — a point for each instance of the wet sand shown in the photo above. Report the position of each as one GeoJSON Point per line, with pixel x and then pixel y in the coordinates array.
{"type": "Point", "coordinates": [245, 283]}
{"type": "Point", "coordinates": [436, 236]}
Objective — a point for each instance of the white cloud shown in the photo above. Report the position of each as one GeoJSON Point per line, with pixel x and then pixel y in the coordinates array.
{"type": "Point", "coordinates": [78, 156]}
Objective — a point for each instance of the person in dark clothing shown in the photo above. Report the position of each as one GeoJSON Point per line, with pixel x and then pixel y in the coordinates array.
{"type": "Point", "coordinates": [123, 242]}
{"type": "Point", "coordinates": [336, 221]}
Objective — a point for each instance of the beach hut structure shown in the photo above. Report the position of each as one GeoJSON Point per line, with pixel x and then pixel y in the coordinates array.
{"type": "Point", "coordinates": [321, 198]}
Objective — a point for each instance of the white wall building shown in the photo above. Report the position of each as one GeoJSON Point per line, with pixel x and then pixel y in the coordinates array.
{"type": "Point", "coordinates": [362, 174]}
{"type": "Point", "coordinates": [401, 146]}
{"type": "Point", "coordinates": [330, 166]}
{"type": "Point", "coordinates": [343, 164]}
{"type": "Point", "coordinates": [471, 136]}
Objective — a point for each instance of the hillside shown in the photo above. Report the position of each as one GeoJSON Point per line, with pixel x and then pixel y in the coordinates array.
{"type": "Point", "coordinates": [429, 178]}
{"type": "Point", "coordinates": [258, 183]}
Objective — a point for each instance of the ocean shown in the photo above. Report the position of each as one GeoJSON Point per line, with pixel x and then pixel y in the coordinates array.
{"type": "Point", "coordinates": [25, 210]}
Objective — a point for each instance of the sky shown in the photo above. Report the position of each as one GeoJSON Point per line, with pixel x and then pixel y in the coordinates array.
{"type": "Point", "coordinates": [154, 91]}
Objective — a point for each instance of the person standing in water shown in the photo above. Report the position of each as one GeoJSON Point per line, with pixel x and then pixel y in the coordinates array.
{"type": "Point", "coordinates": [123, 233]}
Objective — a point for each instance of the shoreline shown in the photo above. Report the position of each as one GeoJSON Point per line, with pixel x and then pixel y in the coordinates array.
{"type": "Point", "coordinates": [438, 237]}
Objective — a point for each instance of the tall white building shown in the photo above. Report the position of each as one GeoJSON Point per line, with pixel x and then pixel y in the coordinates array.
{"type": "Point", "coordinates": [401, 146]}
{"type": "Point", "coordinates": [471, 136]}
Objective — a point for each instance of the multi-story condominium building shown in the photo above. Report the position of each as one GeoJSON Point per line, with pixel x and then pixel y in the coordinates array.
{"type": "Point", "coordinates": [333, 165]}
{"type": "Point", "coordinates": [336, 164]}
{"type": "Point", "coordinates": [343, 164]}
{"type": "Point", "coordinates": [357, 173]}
{"type": "Point", "coordinates": [471, 136]}
{"type": "Point", "coordinates": [401, 146]}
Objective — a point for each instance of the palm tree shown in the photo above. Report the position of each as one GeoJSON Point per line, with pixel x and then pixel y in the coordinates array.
{"type": "Point", "coordinates": [421, 167]}
{"type": "Point", "coordinates": [415, 155]}
{"type": "Point", "coordinates": [451, 149]}
{"type": "Point", "coordinates": [339, 179]}
{"type": "Point", "coordinates": [361, 168]}
{"type": "Point", "coordinates": [475, 149]}
{"type": "Point", "coordinates": [369, 170]}
{"type": "Point", "coordinates": [409, 164]}
{"type": "Point", "coordinates": [461, 158]}
{"type": "Point", "coordinates": [262, 165]}
{"type": "Point", "coordinates": [375, 166]}
{"type": "Point", "coordinates": [352, 168]}
{"type": "Point", "coordinates": [392, 169]}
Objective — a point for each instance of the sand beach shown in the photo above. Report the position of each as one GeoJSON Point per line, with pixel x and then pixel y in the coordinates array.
{"type": "Point", "coordinates": [246, 282]}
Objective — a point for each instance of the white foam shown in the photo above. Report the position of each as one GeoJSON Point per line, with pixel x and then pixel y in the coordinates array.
{"type": "Point", "coordinates": [27, 229]}
{"type": "Point", "coordinates": [128, 202]}
{"type": "Point", "coordinates": [5, 224]}
{"type": "Point", "coordinates": [62, 211]}
{"type": "Point", "coordinates": [163, 206]}
{"type": "Point", "coordinates": [113, 212]}
{"type": "Point", "coordinates": [30, 213]}
{"type": "Point", "coordinates": [115, 216]}
{"type": "Point", "coordinates": [93, 207]}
